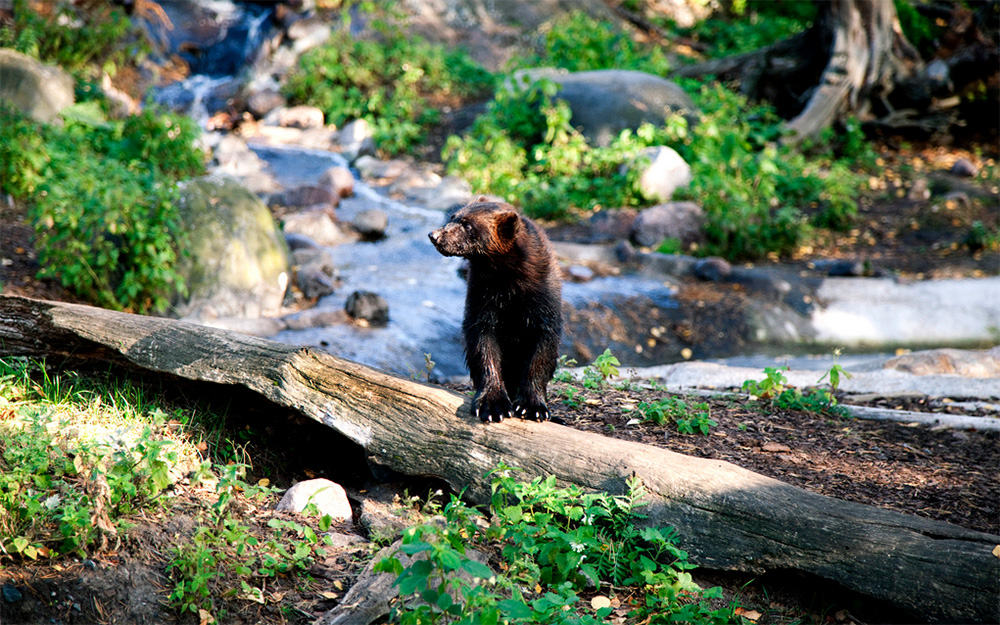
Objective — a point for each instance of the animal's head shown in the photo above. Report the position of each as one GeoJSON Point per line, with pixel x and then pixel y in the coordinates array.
{"type": "Point", "coordinates": [481, 228]}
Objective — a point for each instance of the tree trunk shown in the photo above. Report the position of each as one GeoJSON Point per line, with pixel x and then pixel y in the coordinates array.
{"type": "Point", "coordinates": [728, 517]}
{"type": "Point", "coordinates": [869, 54]}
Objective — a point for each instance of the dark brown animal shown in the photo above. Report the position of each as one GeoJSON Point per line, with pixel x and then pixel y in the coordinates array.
{"type": "Point", "coordinates": [513, 307]}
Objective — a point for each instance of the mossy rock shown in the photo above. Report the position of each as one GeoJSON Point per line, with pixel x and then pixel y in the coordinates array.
{"type": "Point", "coordinates": [238, 264]}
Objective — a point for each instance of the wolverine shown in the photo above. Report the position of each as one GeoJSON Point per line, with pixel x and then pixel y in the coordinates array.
{"type": "Point", "coordinates": [513, 307]}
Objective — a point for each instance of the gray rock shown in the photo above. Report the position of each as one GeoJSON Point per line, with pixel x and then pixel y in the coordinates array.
{"type": "Point", "coordinates": [264, 327]}
{"type": "Point", "coordinates": [301, 117]}
{"type": "Point", "coordinates": [843, 268]}
{"type": "Point", "coordinates": [674, 220]}
{"type": "Point", "coordinates": [32, 87]}
{"type": "Point", "coordinates": [919, 190]}
{"type": "Point", "coordinates": [316, 225]}
{"type": "Point", "coordinates": [234, 157]}
{"type": "Point", "coordinates": [611, 225]}
{"type": "Point", "coordinates": [607, 101]}
{"type": "Point", "coordinates": [298, 241]}
{"type": "Point", "coordinates": [447, 192]}
{"type": "Point", "coordinates": [356, 139]}
{"type": "Point", "coordinates": [371, 223]}
{"type": "Point", "coordinates": [368, 306]}
{"type": "Point", "coordinates": [626, 253]}
{"type": "Point", "coordinates": [370, 167]}
{"type": "Point", "coordinates": [665, 173]}
{"type": "Point", "coordinates": [238, 264]}
{"type": "Point", "coordinates": [339, 180]}
{"type": "Point", "coordinates": [328, 497]}
{"type": "Point", "coordinates": [315, 274]}
{"type": "Point", "coordinates": [301, 197]}
{"type": "Point", "coordinates": [308, 33]}
{"type": "Point", "coordinates": [713, 269]}
{"type": "Point", "coordinates": [580, 273]}
{"type": "Point", "coordinates": [262, 102]}
{"type": "Point", "coordinates": [938, 74]}
{"type": "Point", "coordinates": [965, 168]}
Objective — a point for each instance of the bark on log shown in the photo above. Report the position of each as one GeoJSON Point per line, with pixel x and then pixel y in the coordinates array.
{"type": "Point", "coordinates": [728, 517]}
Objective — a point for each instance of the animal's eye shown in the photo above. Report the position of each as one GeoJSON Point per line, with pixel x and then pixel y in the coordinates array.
{"type": "Point", "coordinates": [467, 227]}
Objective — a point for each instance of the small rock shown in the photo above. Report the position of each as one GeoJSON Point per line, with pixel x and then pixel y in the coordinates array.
{"type": "Point", "coordinates": [579, 273]}
{"type": "Point", "coordinates": [308, 33]}
{"type": "Point", "coordinates": [328, 497]}
{"type": "Point", "coordinates": [846, 269]}
{"type": "Point", "coordinates": [89, 564]}
{"type": "Point", "coordinates": [965, 168]}
{"type": "Point", "coordinates": [297, 241]}
{"type": "Point", "coordinates": [958, 198]}
{"type": "Point", "coordinates": [447, 192]}
{"type": "Point", "coordinates": [234, 157]}
{"type": "Point", "coordinates": [303, 196]}
{"type": "Point", "coordinates": [673, 220]}
{"type": "Point", "coordinates": [11, 594]}
{"type": "Point", "coordinates": [370, 167]}
{"type": "Point", "coordinates": [356, 139]}
{"type": "Point", "coordinates": [665, 173]}
{"type": "Point", "coordinates": [368, 306]}
{"type": "Point", "coordinates": [316, 225]}
{"type": "Point", "coordinates": [938, 74]}
{"type": "Point", "coordinates": [625, 252]}
{"type": "Point", "coordinates": [713, 269]}
{"type": "Point", "coordinates": [775, 448]}
{"type": "Point", "coordinates": [371, 223]}
{"type": "Point", "coordinates": [611, 225]}
{"type": "Point", "coordinates": [301, 117]}
{"type": "Point", "coordinates": [339, 180]}
{"type": "Point", "coordinates": [412, 181]}
{"type": "Point", "coordinates": [315, 274]}
{"type": "Point", "coordinates": [260, 103]}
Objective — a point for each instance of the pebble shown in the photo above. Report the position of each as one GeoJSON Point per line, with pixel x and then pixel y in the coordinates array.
{"type": "Point", "coordinates": [964, 167]}
{"type": "Point", "coordinates": [11, 594]}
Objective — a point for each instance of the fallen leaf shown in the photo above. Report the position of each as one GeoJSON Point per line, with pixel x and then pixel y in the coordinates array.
{"type": "Point", "coordinates": [206, 617]}
{"type": "Point", "coordinates": [996, 551]}
{"type": "Point", "coordinates": [775, 447]}
{"type": "Point", "coordinates": [326, 594]}
{"type": "Point", "coordinates": [600, 601]}
{"type": "Point", "coordinates": [264, 482]}
{"type": "Point", "coordinates": [750, 615]}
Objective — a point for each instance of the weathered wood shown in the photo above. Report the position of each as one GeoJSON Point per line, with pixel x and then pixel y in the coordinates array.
{"type": "Point", "coordinates": [728, 517]}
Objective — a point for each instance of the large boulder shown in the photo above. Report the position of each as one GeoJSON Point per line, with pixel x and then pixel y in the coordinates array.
{"type": "Point", "coordinates": [607, 101]}
{"type": "Point", "coordinates": [238, 263]}
{"type": "Point", "coordinates": [34, 88]}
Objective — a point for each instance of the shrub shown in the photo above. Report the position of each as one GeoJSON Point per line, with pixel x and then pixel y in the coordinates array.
{"type": "Point", "coordinates": [392, 80]}
{"type": "Point", "coordinates": [103, 201]}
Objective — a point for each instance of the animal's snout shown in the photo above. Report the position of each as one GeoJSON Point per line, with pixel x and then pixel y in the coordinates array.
{"type": "Point", "coordinates": [434, 236]}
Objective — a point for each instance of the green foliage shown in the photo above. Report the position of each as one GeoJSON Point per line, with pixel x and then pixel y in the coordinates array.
{"type": "Point", "coordinates": [224, 550]}
{"type": "Point", "coordinates": [923, 32]}
{"type": "Point", "coordinates": [690, 419]}
{"type": "Point", "coordinates": [755, 24]}
{"type": "Point", "coordinates": [62, 495]}
{"type": "Point", "coordinates": [103, 200]}
{"type": "Point", "coordinates": [601, 370]}
{"type": "Point", "coordinates": [555, 543]}
{"type": "Point", "coordinates": [980, 237]}
{"type": "Point", "coordinates": [74, 37]}
{"type": "Point", "coordinates": [392, 80]}
{"type": "Point", "coordinates": [577, 42]}
{"type": "Point", "coordinates": [775, 390]}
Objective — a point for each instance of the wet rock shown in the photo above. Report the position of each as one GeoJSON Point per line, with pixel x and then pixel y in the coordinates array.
{"type": "Point", "coordinates": [965, 168]}
{"type": "Point", "coordinates": [948, 361]}
{"type": "Point", "coordinates": [626, 253]}
{"type": "Point", "coordinates": [713, 269]}
{"type": "Point", "coordinates": [938, 74]}
{"type": "Point", "coordinates": [674, 220]}
{"type": "Point", "coordinates": [239, 264]}
{"type": "Point", "coordinates": [842, 268]}
{"type": "Point", "coordinates": [605, 102]}
{"type": "Point", "coordinates": [10, 594]}
{"type": "Point", "coordinates": [297, 241]}
{"type": "Point", "coordinates": [339, 180]}
{"type": "Point", "coordinates": [308, 33]}
{"type": "Point", "coordinates": [233, 156]}
{"type": "Point", "coordinates": [370, 167]}
{"type": "Point", "coordinates": [301, 117]}
{"type": "Point", "coordinates": [665, 172]}
{"type": "Point", "coordinates": [328, 497]}
{"type": "Point", "coordinates": [448, 192]}
{"type": "Point", "coordinates": [306, 195]}
{"type": "Point", "coordinates": [371, 223]}
{"type": "Point", "coordinates": [315, 274]}
{"type": "Point", "coordinates": [367, 306]}
{"type": "Point", "coordinates": [32, 87]}
{"type": "Point", "coordinates": [356, 139]}
{"type": "Point", "coordinates": [316, 225]}
{"type": "Point", "coordinates": [580, 273]}
{"type": "Point", "coordinates": [411, 181]}
{"type": "Point", "coordinates": [262, 102]}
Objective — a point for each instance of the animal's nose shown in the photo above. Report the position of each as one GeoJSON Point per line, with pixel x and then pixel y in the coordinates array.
{"type": "Point", "coordinates": [434, 235]}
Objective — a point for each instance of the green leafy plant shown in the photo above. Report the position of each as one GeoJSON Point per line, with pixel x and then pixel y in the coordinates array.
{"type": "Point", "coordinates": [690, 419]}
{"type": "Point", "coordinates": [603, 368]}
{"type": "Point", "coordinates": [392, 80]}
{"type": "Point", "coordinates": [774, 389]}
{"type": "Point", "coordinates": [103, 200]}
{"type": "Point", "coordinates": [554, 543]}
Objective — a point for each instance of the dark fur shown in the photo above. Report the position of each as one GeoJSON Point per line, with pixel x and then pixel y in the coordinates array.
{"type": "Point", "coordinates": [513, 307]}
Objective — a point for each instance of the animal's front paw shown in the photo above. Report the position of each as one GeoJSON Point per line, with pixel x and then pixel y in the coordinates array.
{"type": "Point", "coordinates": [493, 409]}
{"type": "Point", "coordinates": [534, 410]}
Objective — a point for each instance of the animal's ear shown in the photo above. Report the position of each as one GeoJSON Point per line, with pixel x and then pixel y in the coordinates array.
{"type": "Point", "coordinates": [507, 223]}
{"type": "Point", "coordinates": [481, 198]}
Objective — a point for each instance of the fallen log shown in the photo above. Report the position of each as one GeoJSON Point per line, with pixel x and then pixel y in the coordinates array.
{"type": "Point", "coordinates": [728, 517]}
